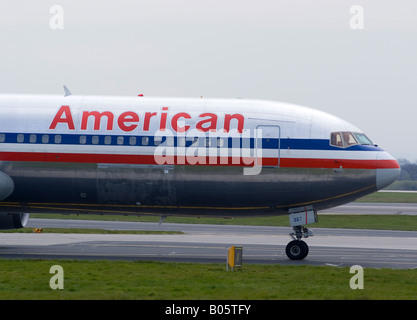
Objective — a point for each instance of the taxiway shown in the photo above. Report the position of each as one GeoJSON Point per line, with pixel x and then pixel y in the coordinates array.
{"type": "Point", "coordinates": [209, 243]}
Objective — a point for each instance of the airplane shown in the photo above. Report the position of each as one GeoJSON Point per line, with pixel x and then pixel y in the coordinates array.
{"type": "Point", "coordinates": [141, 155]}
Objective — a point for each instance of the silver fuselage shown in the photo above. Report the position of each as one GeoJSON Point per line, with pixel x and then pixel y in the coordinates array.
{"type": "Point", "coordinates": [111, 155]}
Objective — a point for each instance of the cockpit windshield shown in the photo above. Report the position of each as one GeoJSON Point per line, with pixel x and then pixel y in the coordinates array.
{"type": "Point", "coordinates": [363, 139]}
{"type": "Point", "coordinates": [346, 139]}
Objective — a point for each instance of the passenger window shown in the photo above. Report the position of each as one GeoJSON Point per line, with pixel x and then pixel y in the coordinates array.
{"type": "Point", "coordinates": [120, 140]}
{"type": "Point", "coordinates": [32, 138]}
{"type": "Point", "coordinates": [132, 141]}
{"type": "Point", "coordinates": [157, 140]}
{"type": "Point", "coordinates": [107, 140]}
{"type": "Point", "coordinates": [145, 141]}
{"type": "Point", "coordinates": [58, 138]}
{"type": "Point", "coordinates": [83, 139]}
{"type": "Point", "coordinates": [45, 138]}
{"type": "Point", "coordinates": [2, 137]}
{"type": "Point", "coordinates": [95, 139]}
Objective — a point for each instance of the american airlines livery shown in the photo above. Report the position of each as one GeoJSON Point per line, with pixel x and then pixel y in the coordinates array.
{"type": "Point", "coordinates": [181, 156]}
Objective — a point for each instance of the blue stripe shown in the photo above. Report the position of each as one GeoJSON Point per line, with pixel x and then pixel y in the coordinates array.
{"type": "Point", "coordinates": [129, 140]}
{"type": "Point", "coordinates": [321, 144]}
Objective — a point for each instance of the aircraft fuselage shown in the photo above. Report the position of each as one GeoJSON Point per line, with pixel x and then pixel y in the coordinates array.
{"type": "Point", "coordinates": [217, 157]}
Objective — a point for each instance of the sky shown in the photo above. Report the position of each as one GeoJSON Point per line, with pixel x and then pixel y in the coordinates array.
{"type": "Point", "coordinates": [354, 59]}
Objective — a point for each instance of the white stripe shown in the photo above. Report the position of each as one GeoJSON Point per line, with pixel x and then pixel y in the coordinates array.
{"type": "Point", "coordinates": [181, 151]}
{"type": "Point", "coordinates": [328, 154]}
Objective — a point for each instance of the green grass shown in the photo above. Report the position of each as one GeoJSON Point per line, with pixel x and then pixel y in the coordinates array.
{"type": "Point", "coordinates": [390, 197]}
{"type": "Point", "coordinates": [403, 185]}
{"type": "Point", "coordinates": [158, 280]}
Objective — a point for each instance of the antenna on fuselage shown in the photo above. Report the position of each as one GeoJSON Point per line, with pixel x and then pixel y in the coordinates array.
{"type": "Point", "coordinates": [67, 92]}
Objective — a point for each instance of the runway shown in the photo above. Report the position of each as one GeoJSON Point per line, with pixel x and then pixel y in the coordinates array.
{"type": "Point", "coordinates": [209, 243]}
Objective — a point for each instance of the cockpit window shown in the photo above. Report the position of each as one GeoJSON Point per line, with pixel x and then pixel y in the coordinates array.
{"type": "Point", "coordinates": [347, 139]}
{"type": "Point", "coordinates": [336, 139]}
{"type": "Point", "coordinates": [362, 139]}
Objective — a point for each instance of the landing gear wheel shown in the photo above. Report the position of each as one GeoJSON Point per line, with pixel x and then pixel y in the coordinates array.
{"type": "Point", "coordinates": [297, 250]}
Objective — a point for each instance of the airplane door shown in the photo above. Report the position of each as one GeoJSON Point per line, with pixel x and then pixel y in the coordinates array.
{"type": "Point", "coordinates": [267, 145]}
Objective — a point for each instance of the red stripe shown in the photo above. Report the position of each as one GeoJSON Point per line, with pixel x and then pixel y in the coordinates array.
{"type": "Point", "coordinates": [150, 159]}
{"type": "Point", "coordinates": [338, 163]}
{"type": "Point", "coordinates": [387, 164]}
{"type": "Point", "coordinates": [306, 214]}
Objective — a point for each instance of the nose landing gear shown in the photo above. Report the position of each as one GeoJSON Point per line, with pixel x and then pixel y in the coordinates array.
{"type": "Point", "coordinates": [298, 249]}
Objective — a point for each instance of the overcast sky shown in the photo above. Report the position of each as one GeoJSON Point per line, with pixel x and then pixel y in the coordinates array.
{"type": "Point", "coordinates": [298, 51]}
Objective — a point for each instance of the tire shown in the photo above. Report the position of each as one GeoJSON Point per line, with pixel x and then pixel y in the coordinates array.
{"type": "Point", "coordinates": [297, 250]}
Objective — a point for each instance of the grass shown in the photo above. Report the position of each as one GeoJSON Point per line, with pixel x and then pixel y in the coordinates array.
{"type": "Point", "coordinates": [159, 280]}
{"type": "Point", "coordinates": [403, 185]}
{"type": "Point", "coordinates": [373, 222]}
{"type": "Point", "coordinates": [390, 197]}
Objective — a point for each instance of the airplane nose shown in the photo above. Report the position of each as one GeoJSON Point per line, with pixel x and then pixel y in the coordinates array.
{"type": "Point", "coordinates": [387, 170]}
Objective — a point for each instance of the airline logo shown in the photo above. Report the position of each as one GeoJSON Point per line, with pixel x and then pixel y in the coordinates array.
{"type": "Point", "coordinates": [130, 121]}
